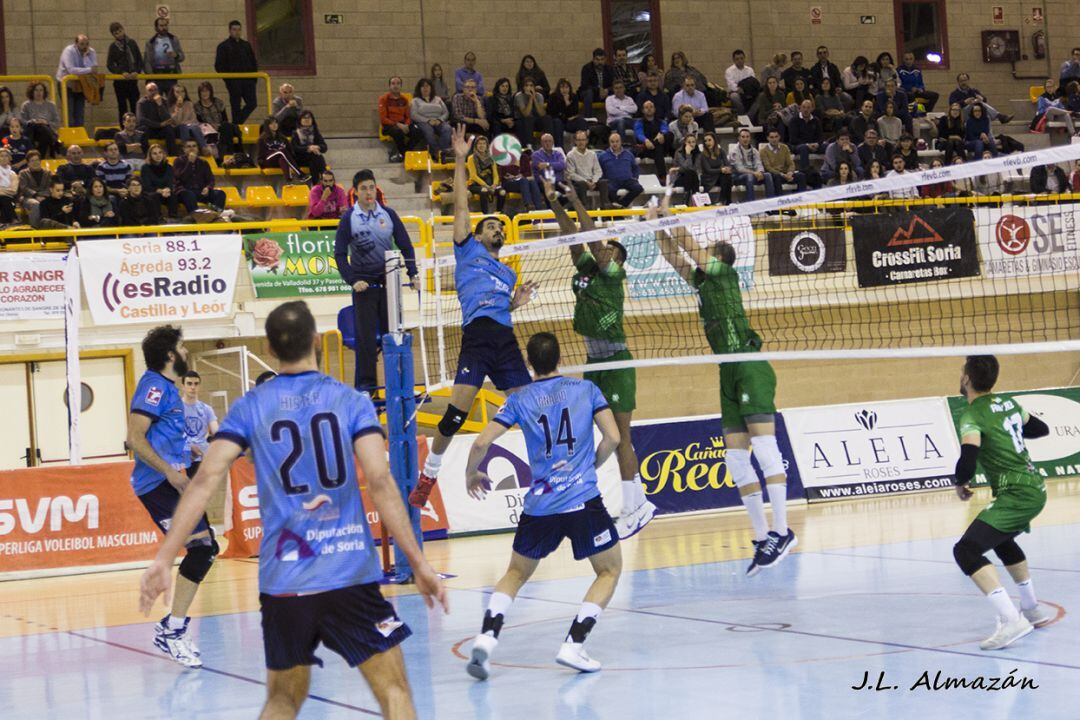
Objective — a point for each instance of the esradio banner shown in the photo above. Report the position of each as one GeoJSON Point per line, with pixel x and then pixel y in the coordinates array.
{"type": "Point", "coordinates": [919, 246]}
{"type": "Point", "coordinates": [160, 279]}
{"type": "Point", "coordinates": [31, 285]}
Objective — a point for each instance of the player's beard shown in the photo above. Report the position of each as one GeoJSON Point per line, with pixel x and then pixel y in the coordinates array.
{"type": "Point", "coordinates": [180, 367]}
{"type": "Point", "coordinates": [496, 242]}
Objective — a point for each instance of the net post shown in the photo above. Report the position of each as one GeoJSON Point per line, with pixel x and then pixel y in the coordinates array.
{"type": "Point", "coordinates": [400, 409]}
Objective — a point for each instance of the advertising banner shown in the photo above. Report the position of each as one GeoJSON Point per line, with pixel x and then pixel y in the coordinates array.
{"type": "Point", "coordinates": [59, 517]}
{"type": "Point", "coordinates": [919, 246]}
{"type": "Point", "coordinates": [155, 279]}
{"type": "Point", "coordinates": [1028, 240]}
{"type": "Point", "coordinates": [873, 448]}
{"type": "Point", "coordinates": [295, 264]}
{"type": "Point", "coordinates": [795, 252]}
{"type": "Point", "coordinates": [1057, 454]}
{"type": "Point", "coordinates": [31, 285]}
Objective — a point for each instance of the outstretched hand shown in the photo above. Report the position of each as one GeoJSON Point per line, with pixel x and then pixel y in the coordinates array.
{"type": "Point", "coordinates": [461, 142]}
{"type": "Point", "coordinates": [156, 580]}
{"type": "Point", "coordinates": [477, 485]}
{"type": "Point", "coordinates": [523, 294]}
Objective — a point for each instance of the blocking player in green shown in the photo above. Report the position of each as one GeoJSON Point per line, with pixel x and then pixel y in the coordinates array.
{"type": "Point", "coordinates": [747, 389]}
{"type": "Point", "coordinates": [599, 294]}
{"type": "Point", "coordinates": [993, 429]}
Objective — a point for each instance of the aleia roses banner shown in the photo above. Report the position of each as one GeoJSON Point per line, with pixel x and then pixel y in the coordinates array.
{"type": "Point", "coordinates": [295, 264]}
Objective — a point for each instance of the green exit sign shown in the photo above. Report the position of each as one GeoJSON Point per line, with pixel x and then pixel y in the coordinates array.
{"type": "Point", "coordinates": [333, 18]}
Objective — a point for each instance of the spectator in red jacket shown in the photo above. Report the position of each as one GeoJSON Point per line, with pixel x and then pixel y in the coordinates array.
{"type": "Point", "coordinates": [396, 121]}
{"type": "Point", "coordinates": [328, 200]}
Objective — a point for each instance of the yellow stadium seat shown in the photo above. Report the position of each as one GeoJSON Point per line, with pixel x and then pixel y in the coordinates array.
{"type": "Point", "coordinates": [52, 164]}
{"type": "Point", "coordinates": [232, 197]}
{"type": "Point", "coordinates": [106, 141]}
{"type": "Point", "coordinates": [240, 172]}
{"type": "Point", "coordinates": [271, 171]}
{"type": "Point", "coordinates": [417, 160]}
{"type": "Point", "coordinates": [1034, 91]}
{"type": "Point", "coordinates": [295, 195]}
{"type": "Point", "coordinates": [262, 196]}
{"type": "Point", "coordinates": [214, 167]}
{"type": "Point", "coordinates": [249, 134]}
{"type": "Point", "coordinates": [76, 136]}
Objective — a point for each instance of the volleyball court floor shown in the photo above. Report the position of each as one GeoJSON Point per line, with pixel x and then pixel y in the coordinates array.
{"type": "Point", "coordinates": [871, 589]}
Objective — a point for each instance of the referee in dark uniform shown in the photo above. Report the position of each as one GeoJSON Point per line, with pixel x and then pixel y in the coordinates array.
{"type": "Point", "coordinates": [364, 235]}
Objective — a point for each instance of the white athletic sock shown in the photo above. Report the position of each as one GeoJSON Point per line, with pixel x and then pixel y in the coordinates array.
{"type": "Point", "coordinates": [589, 610]}
{"type": "Point", "coordinates": [499, 603]}
{"type": "Point", "coordinates": [1027, 595]}
{"type": "Point", "coordinates": [1003, 604]}
{"type": "Point", "coordinates": [175, 623]}
{"type": "Point", "coordinates": [755, 507]}
{"type": "Point", "coordinates": [778, 502]}
{"type": "Point", "coordinates": [432, 465]}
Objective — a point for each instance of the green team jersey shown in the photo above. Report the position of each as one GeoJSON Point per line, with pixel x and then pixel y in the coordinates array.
{"type": "Point", "coordinates": [600, 294]}
{"type": "Point", "coordinates": [721, 309]}
{"type": "Point", "coordinates": [1002, 452]}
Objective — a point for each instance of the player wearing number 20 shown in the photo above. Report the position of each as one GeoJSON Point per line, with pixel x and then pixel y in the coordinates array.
{"type": "Point", "coordinates": [992, 431]}
{"type": "Point", "coordinates": [318, 569]}
{"type": "Point", "coordinates": [556, 416]}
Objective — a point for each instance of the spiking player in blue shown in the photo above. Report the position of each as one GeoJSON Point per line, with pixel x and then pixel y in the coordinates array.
{"type": "Point", "coordinates": [318, 569]}
{"type": "Point", "coordinates": [556, 415]}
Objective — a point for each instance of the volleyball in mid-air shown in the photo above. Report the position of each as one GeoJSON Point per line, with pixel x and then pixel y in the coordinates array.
{"type": "Point", "coordinates": [506, 149]}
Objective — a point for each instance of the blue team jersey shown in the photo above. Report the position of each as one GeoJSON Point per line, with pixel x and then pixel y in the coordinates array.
{"type": "Point", "coordinates": [484, 285]}
{"type": "Point", "coordinates": [157, 398]}
{"type": "Point", "coordinates": [301, 430]}
{"type": "Point", "coordinates": [556, 417]}
{"type": "Point", "coordinates": [197, 419]}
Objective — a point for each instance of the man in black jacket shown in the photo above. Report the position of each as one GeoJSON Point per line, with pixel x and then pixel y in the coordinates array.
{"type": "Point", "coordinates": [1048, 179]}
{"type": "Point", "coordinates": [153, 117]}
{"type": "Point", "coordinates": [596, 80]}
{"type": "Point", "coordinates": [234, 55]}
{"type": "Point", "coordinates": [125, 59]}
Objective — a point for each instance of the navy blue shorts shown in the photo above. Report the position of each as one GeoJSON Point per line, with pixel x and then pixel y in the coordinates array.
{"type": "Point", "coordinates": [490, 349]}
{"type": "Point", "coordinates": [161, 503]}
{"type": "Point", "coordinates": [591, 531]}
{"type": "Point", "coordinates": [356, 622]}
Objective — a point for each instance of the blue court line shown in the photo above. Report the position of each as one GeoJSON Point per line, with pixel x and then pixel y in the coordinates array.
{"type": "Point", "coordinates": [922, 560]}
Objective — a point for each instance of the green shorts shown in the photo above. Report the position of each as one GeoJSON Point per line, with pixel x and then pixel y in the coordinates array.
{"type": "Point", "coordinates": [619, 387]}
{"type": "Point", "coordinates": [746, 388]}
{"type": "Point", "coordinates": [1014, 507]}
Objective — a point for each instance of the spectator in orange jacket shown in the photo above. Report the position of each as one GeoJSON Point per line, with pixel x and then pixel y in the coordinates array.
{"type": "Point", "coordinates": [396, 121]}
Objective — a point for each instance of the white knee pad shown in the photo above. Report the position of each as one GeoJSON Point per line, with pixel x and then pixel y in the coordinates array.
{"type": "Point", "coordinates": [738, 462]}
{"type": "Point", "coordinates": [768, 455]}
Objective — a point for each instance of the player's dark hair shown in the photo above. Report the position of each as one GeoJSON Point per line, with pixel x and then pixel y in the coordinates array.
{"type": "Point", "coordinates": [621, 255]}
{"type": "Point", "coordinates": [290, 328]}
{"type": "Point", "coordinates": [234, 23]}
{"type": "Point", "coordinates": [157, 345]}
{"type": "Point", "coordinates": [264, 376]}
{"type": "Point", "coordinates": [725, 252]}
{"type": "Point", "coordinates": [982, 372]}
{"type": "Point", "coordinates": [480, 223]}
{"type": "Point", "coordinates": [543, 352]}
{"type": "Point", "coordinates": [192, 374]}
{"type": "Point", "coordinates": [361, 176]}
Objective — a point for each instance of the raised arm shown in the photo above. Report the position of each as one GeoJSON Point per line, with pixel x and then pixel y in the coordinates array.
{"type": "Point", "coordinates": [669, 248]}
{"type": "Point", "coordinates": [685, 240]}
{"type": "Point", "coordinates": [461, 144]}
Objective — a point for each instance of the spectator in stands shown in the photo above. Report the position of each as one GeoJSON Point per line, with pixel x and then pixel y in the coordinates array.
{"type": "Point", "coordinates": [912, 83]}
{"type": "Point", "coordinates": [620, 109]}
{"type": "Point", "coordinates": [500, 108]}
{"type": "Point", "coordinates": [1049, 98]}
{"type": "Point", "coordinates": [1070, 69]}
{"type": "Point", "coordinates": [843, 150]}
{"type": "Point", "coordinates": [235, 55]}
{"type": "Point", "coordinates": [621, 70]}
{"type": "Point", "coordinates": [898, 168]}
{"type": "Point", "coordinates": [327, 200]}
{"type": "Point", "coordinates": [951, 132]}
{"type": "Point", "coordinates": [210, 110]}
{"type": "Point", "coordinates": [9, 188]}
{"type": "Point", "coordinates": [287, 106]}
{"type": "Point", "coordinates": [857, 79]}
{"type": "Point", "coordinates": [862, 120]}
{"type": "Point", "coordinates": [363, 236]}
{"type": "Point", "coordinates": [651, 133]}
{"type": "Point", "coordinates": [8, 109]}
{"type": "Point", "coordinates": [184, 118]}
{"type": "Point", "coordinates": [678, 71]}
{"type": "Point", "coordinates": [778, 162]}
{"type": "Point", "coordinates": [805, 133]}
{"type": "Point", "coordinates": [518, 177]}
{"type": "Point", "coordinates": [994, 183]}
{"type": "Point", "coordinates": [564, 109]}
{"type": "Point", "coordinates": [683, 126]}
{"type": "Point", "coordinates": [529, 68]}
{"type": "Point", "coordinates": [17, 144]}
{"type": "Point", "coordinates": [163, 54]}
{"type": "Point", "coordinates": [829, 107]}
{"type": "Point", "coordinates": [159, 181]}
{"type": "Point", "coordinates": [735, 74]}
{"type": "Point", "coordinates": [714, 170]}
{"type": "Point", "coordinates": [652, 92]}
{"type": "Point", "coordinates": [139, 207]}
{"type": "Point", "coordinates": [114, 171]}
{"type": "Point", "coordinates": [799, 92]}
{"type": "Point", "coordinates": [41, 119]}
{"type": "Point", "coordinates": [747, 167]}
{"type": "Point", "coordinates": [977, 133]}
{"type": "Point", "coordinates": [684, 174]}
{"type": "Point", "coordinates": [620, 169]}
{"type": "Point", "coordinates": [467, 108]}
{"type": "Point", "coordinates": [77, 59]}
{"type": "Point", "coordinates": [395, 119]}
{"type": "Point", "coordinates": [596, 79]}
{"type": "Point", "coordinates": [34, 184]}
{"type": "Point", "coordinates": [885, 70]}
{"type": "Point", "coordinates": [154, 118]}
{"type": "Point", "coordinates": [132, 140]}
{"type": "Point", "coordinates": [872, 148]}
{"type": "Point", "coordinates": [549, 157]}
{"type": "Point", "coordinates": [899, 99]}
{"type": "Point", "coordinates": [97, 209]}
{"type": "Point", "coordinates": [907, 150]}
{"type": "Point", "coordinates": [824, 68]}
{"type": "Point", "coordinates": [1050, 179]}
{"type": "Point", "coordinates": [438, 82]}
{"type": "Point", "coordinates": [431, 116]}
{"type": "Point", "coordinates": [648, 65]}
{"type": "Point", "coordinates": [774, 69]}
{"type": "Point", "coordinates": [469, 72]}
{"type": "Point", "coordinates": [889, 126]}
{"type": "Point", "coordinates": [583, 170]}
{"type": "Point", "coordinates": [938, 189]}
{"type": "Point", "coordinates": [1068, 109]}
{"type": "Point", "coordinates": [691, 97]}
{"type": "Point", "coordinates": [796, 71]}
{"type": "Point", "coordinates": [308, 146]}
{"type": "Point", "coordinates": [844, 175]}
{"type": "Point", "coordinates": [484, 176]}
{"type": "Point", "coordinates": [530, 113]}
{"type": "Point", "coordinates": [57, 210]}
{"type": "Point", "coordinates": [76, 174]}
{"type": "Point", "coordinates": [771, 99]}
{"type": "Point", "coordinates": [968, 96]}
{"type": "Point", "coordinates": [1074, 179]}
{"type": "Point", "coordinates": [274, 151]}
{"type": "Point", "coordinates": [125, 59]}
{"type": "Point", "coordinates": [195, 180]}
